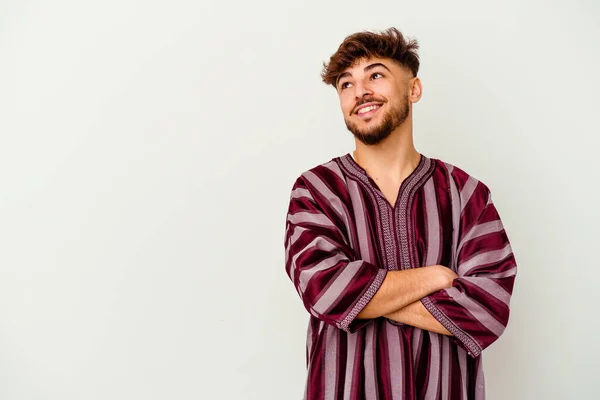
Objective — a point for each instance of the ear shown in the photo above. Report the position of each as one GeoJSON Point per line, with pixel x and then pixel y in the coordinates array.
{"type": "Point", "coordinates": [416, 89]}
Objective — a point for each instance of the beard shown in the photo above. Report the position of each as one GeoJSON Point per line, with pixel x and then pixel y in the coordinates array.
{"type": "Point", "coordinates": [390, 121]}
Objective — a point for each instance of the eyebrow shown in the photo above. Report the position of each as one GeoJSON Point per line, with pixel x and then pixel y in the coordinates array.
{"type": "Point", "coordinates": [367, 68]}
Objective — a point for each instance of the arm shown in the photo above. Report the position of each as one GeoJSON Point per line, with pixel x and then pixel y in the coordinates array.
{"type": "Point", "coordinates": [401, 288]}
{"type": "Point", "coordinates": [415, 314]}
{"type": "Point", "coordinates": [334, 285]}
{"type": "Point", "coordinates": [476, 308]}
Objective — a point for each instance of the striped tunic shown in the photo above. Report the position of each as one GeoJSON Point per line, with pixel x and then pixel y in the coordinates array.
{"type": "Point", "coordinates": [342, 236]}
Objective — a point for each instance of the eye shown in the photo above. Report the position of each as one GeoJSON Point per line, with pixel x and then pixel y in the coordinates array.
{"type": "Point", "coordinates": [376, 74]}
{"type": "Point", "coordinates": [344, 85]}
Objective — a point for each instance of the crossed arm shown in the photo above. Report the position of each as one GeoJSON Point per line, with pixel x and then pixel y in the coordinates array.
{"type": "Point", "coordinates": [345, 291]}
{"type": "Point", "coordinates": [415, 314]}
{"type": "Point", "coordinates": [399, 297]}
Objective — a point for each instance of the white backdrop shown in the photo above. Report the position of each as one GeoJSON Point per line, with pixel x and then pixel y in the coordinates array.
{"type": "Point", "coordinates": [147, 151]}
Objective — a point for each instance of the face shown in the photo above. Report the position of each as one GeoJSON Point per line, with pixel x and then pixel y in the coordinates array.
{"type": "Point", "coordinates": [375, 96]}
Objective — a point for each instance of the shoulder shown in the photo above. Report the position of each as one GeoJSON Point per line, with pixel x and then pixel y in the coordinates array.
{"type": "Point", "coordinates": [323, 189]}
{"type": "Point", "coordinates": [465, 183]}
{"type": "Point", "coordinates": [323, 186]}
{"type": "Point", "coordinates": [325, 176]}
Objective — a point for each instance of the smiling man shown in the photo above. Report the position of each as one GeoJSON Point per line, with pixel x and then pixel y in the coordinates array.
{"type": "Point", "coordinates": [400, 259]}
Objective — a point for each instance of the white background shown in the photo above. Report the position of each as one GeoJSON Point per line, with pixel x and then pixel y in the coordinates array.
{"type": "Point", "coordinates": [147, 152]}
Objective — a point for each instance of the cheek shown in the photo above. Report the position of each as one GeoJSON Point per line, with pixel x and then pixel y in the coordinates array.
{"type": "Point", "coordinates": [385, 89]}
{"type": "Point", "coordinates": [346, 104]}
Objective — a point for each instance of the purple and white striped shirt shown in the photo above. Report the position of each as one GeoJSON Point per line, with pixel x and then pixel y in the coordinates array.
{"type": "Point", "coordinates": [342, 236]}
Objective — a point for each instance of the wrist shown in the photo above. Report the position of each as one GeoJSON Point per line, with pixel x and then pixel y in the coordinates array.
{"type": "Point", "coordinates": [444, 277]}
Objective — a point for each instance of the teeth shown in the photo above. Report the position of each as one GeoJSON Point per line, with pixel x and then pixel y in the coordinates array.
{"type": "Point", "coordinates": [367, 109]}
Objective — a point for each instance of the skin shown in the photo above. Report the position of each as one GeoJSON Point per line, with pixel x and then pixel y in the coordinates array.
{"type": "Point", "coordinates": [393, 158]}
{"type": "Point", "coordinates": [385, 149]}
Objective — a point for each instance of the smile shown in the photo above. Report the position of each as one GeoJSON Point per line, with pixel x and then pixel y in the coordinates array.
{"type": "Point", "coordinates": [368, 110]}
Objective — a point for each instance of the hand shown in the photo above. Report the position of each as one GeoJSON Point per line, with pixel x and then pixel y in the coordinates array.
{"type": "Point", "coordinates": [446, 276]}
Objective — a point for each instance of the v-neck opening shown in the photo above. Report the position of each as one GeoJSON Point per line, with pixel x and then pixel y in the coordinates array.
{"type": "Point", "coordinates": [402, 187]}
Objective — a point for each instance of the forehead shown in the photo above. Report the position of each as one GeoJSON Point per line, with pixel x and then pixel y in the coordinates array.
{"type": "Point", "coordinates": [363, 62]}
{"type": "Point", "coordinates": [365, 65]}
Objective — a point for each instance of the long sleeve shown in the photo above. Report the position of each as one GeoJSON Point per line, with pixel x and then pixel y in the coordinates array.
{"type": "Point", "coordinates": [333, 285]}
{"type": "Point", "coordinates": [476, 308]}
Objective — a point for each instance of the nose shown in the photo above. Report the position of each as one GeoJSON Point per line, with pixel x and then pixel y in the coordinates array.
{"type": "Point", "coordinates": [361, 90]}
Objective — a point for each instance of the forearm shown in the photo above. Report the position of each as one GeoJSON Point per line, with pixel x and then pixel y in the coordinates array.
{"type": "Point", "coordinates": [415, 314]}
{"type": "Point", "coordinates": [401, 288]}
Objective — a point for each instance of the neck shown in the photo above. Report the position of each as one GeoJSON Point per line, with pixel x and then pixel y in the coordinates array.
{"type": "Point", "coordinates": [393, 158]}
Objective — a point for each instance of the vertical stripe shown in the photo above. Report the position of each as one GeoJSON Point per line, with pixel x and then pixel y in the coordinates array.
{"type": "Point", "coordinates": [351, 359]}
{"type": "Point", "coordinates": [402, 210]}
{"type": "Point", "coordinates": [431, 258]}
{"type": "Point", "coordinates": [362, 231]}
{"type": "Point", "coordinates": [464, 373]}
{"type": "Point", "coordinates": [370, 364]}
{"type": "Point", "coordinates": [335, 168]}
{"type": "Point", "coordinates": [445, 379]}
{"type": "Point", "coordinates": [388, 246]}
{"type": "Point", "coordinates": [331, 345]}
{"type": "Point", "coordinates": [479, 382]}
{"type": "Point", "coordinates": [417, 338]}
{"type": "Point", "coordinates": [382, 360]}
{"type": "Point", "coordinates": [380, 209]}
{"type": "Point", "coordinates": [433, 380]}
{"type": "Point", "coordinates": [309, 338]}
{"type": "Point", "coordinates": [433, 224]}
{"type": "Point", "coordinates": [422, 175]}
{"type": "Point", "coordinates": [454, 195]}
{"type": "Point", "coordinates": [396, 360]}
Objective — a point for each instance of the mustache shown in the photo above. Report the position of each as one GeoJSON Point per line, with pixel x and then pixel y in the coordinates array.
{"type": "Point", "coordinates": [366, 100]}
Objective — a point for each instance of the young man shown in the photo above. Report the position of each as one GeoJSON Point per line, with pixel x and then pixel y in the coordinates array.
{"type": "Point", "coordinates": [400, 259]}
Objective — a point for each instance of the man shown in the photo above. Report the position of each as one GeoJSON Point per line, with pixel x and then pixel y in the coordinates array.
{"type": "Point", "coordinates": [400, 259]}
